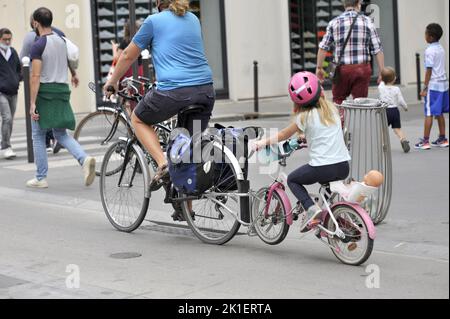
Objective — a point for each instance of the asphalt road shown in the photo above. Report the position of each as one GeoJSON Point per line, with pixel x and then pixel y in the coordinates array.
{"type": "Point", "coordinates": [47, 237]}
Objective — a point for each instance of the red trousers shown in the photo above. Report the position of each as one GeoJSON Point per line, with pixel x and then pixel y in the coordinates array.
{"type": "Point", "coordinates": [355, 81]}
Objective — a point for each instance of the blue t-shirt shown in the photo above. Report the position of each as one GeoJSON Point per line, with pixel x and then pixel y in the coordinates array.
{"type": "Point", "coordinates": [177, 50]}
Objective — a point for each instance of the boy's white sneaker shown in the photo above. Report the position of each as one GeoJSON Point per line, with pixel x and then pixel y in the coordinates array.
{"type": "Point", "coordinates": [9, 153]}
{"type": "Point", "coordinates": [35, 183]}
{"type": "Point", "coordinates": [89, 170]}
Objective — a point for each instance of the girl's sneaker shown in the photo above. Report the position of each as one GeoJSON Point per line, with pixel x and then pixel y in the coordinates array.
{"type": "Point", "coordinates": [441, 142]}
{"type": "Point", "coordinates": [423, 145]}
{"type": "Point", "coordinates": [310, 219]}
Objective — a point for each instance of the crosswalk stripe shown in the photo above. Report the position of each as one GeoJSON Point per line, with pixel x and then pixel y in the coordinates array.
{"type": "Point", "coordinates": [63, 159]}
{"type": "Point", "coordinates": [51, 164]}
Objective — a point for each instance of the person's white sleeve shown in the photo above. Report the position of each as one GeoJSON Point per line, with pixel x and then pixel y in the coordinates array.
{"type": "Point", "coordinates": [298, 121]}
{"type": "Point", "coordinates": [401, 100]}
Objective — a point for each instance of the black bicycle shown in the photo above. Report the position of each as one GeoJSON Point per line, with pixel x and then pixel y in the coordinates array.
{"type": "Point", "coordinates": [98, 130]}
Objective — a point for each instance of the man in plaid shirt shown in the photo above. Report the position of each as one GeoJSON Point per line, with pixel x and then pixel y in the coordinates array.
{"type": "Point", "coordinates": [364, 42]}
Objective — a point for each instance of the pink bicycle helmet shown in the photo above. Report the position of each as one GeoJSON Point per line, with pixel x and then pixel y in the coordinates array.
{"type": "Point", "coordinates": [305, 89]}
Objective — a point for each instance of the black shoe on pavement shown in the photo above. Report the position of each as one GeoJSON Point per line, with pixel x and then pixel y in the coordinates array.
{"type": "Point", "coordinates": [57, 148]}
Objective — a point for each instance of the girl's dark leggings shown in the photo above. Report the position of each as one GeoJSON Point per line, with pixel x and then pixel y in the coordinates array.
{"type": "Point", "coordinates": [309, 175]}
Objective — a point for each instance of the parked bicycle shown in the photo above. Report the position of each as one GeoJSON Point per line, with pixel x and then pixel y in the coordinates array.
{"type": "Point", "coordinates": [112, 120]}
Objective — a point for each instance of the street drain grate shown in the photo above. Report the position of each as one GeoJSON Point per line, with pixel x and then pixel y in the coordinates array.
{"type": "Point", "coordinates": [173, 229]}
{"type": "Point", "coordinates": [170, 229]}
{"type": "Point", "coordinates": [127, 255]}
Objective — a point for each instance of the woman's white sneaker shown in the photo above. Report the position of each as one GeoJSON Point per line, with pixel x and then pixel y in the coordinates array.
{"type": "Point", "coordinates": [35, 183]}
{"type": "Point", "coordinates": [89, 170]}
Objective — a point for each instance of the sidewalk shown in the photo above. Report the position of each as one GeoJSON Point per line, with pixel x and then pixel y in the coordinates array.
{"type": "Point", "coordinates": [226, 110]}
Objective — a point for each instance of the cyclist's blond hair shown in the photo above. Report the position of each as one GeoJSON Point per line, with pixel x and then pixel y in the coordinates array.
{"type": "Point", "coordinates": [327, 112]}
{"type": "Point", "coordinates": [179, 7]}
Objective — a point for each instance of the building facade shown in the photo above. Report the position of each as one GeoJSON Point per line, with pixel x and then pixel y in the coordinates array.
{"type": "Point", "coordinates": [281, 35]}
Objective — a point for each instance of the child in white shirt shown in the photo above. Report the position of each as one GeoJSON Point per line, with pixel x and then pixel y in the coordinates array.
{"type": "Point", "coordinates": [392, 96]}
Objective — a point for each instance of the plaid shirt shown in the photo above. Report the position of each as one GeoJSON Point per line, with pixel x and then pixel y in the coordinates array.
{"type": "Point", "coordinates": [363, 42]}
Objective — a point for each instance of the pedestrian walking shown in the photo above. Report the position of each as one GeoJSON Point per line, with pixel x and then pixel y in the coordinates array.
{"type": "Point", "coordinates": [31, 37]}
{"type": "Point", "coordinates": [50, 100]}
{"type": "Point", "coordinates": [354, 38]}
{"type": "Point", "coordinates": [436, 88]}
{"type": "Point", "coordinates": [392, 96]}
{"type": "Point", "coordinates": [10, 77]}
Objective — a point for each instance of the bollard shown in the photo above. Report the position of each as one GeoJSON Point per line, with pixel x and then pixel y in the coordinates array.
{"type": "Point", "coordinates": [132, 22]}
{"type": "Point", "coordinates": [419, 79]}
{"type": "Point", "coordinates": [367, 135]}
{"type": "Point", "coordinates": [26, 80]}
{"type": "Point", "coordinates": [146, 63]}
{"type": "Point", "coordinates": [255, 86]}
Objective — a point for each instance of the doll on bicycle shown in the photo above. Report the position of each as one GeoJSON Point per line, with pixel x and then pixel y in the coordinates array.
{"type": "Point", "coordinates": [319, 121]}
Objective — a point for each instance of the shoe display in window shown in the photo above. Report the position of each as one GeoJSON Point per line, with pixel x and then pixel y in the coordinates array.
{"type": "Point", "coordinates": [106, 35]}
{"type": "Point", "coordinates": [106, 57]}
{"type": "Point", "coordinates": [322, 14]}
{"type": "Point", "coordinates": [142, 10]}
{"type": "Point", "coordinates": [104, 23]}
{"type": "Point", "coordinates": [106, 68]}
{"type": "Point", "coordinates": [310, 55]}
{"type": "Point", "coordinates": [105, 46]}
{"type": "Point", "coordinates": [337, 3]}
{"type": "Point", "coordinates": [296, 56]}
{"type": "Point", "coordinates": [322, 3]}
{"type": "Point", "coordinates": [104, 12]}
{"type": "Point", "coordinates": [337, 13]}
{"type": "Point", "coordinates": [310, 65]}
{"type": "Point", "coordinates": [297, 66]}
{"type": "Point", "coordinates": [309, 45]}
{"type": "Point", "coordinates": [308, 35]}
{"type": "Point", "coordinates": [296, 46]}
{"type": "Point", "coordinates": [121, 22]}
{"type": "Point", "coordinates": [322, 24]}
{"type": "Point", "coordinates": [123, 11]}
{"type": "Point", "coordinates": [295, 35]}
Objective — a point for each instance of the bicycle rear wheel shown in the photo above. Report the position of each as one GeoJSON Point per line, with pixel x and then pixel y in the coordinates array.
{"type": "Point", "coordinates": [273, 229]}
{"type": "Point", "coordinates": [92, 131]}
{"type": "Point", "coordinates": [212, 218]}
{"type": "Point", "coordinates": [125, 204]}
{"type": "Point", "coordinates": [357, 246]}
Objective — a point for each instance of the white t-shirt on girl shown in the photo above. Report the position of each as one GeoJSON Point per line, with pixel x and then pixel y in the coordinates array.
{"type": "Point", "coordinates": [326, 143]}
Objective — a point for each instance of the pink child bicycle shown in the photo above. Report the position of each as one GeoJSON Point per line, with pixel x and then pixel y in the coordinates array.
{"type": "Point", "coordinates": [346, 228]}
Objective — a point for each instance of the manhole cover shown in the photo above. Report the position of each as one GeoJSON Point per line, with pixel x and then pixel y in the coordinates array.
{"type": "Point", "coordinates": [127, 255]}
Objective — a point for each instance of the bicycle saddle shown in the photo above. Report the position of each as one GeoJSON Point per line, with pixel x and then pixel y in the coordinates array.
{"type": "Point", "coordinates": [192, 109]}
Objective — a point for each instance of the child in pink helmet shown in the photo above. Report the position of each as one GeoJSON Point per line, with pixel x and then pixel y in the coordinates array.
{"type": "Point", "coordinates": [319, 121]}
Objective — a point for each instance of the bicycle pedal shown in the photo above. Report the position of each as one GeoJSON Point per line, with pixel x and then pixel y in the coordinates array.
{"type": "Point", "coordinates": [177, 217]}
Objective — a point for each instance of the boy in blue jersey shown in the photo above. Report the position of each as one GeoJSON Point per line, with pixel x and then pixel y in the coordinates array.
{"type": "Point", "coordinates": [436, 88]}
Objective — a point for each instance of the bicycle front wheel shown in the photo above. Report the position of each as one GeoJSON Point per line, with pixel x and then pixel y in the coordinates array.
{"type": "Point", "coordinates": [122, 188]}
{"type": "Point", "coordinates": [92, 131]}
{"type": "Point", "coordinates": [357, 245]}
{"type": "Point", "coordinates": [271, 229]}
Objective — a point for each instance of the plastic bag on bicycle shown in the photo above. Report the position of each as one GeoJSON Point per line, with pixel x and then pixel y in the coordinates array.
{"type": "Point", "coordinates": [191, 165]}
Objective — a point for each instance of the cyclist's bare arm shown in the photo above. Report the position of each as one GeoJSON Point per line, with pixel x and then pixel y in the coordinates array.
{"type": "Point", "coordinates": [127, 58]}
{"type": "Point", "coordinates": [283, 135]}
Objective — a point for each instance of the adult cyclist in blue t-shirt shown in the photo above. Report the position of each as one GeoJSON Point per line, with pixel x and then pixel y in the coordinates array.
{"type": "Point", "coordinates": [183, 75]}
